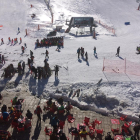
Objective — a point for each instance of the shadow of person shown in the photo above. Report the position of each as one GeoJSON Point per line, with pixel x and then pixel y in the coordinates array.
{"type": "Point", "coordinates": [121, 57]}
{"type": "Point", "coordinates": [19, 77]}
{"type": "Point", "coordinates": [18, 33]}
{"type": "Point", "coordinates": [79, 60]}
{"type": "Point", "coordinates": [32, 85]}
{"type": "Point", "coordinates": [27, 74]}
{"type": "Point", "coordinates": [87, 63]}
{"type": "Point", "coordinates": [37, 130]}
{"type": "Point", "coordinates": [41, 85]}
{"type": "Point", "coordinates": [95, 55]}
{"type": "Point", "coordinates": [56, 82]}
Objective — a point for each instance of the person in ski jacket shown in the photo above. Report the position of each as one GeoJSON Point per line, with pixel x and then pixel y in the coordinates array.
{"type": "Point", "coordinates": [86, 55]}
{"type": "Point", "coordinates": [19, 68]}
{"type": "Point", "coordinates": [78, 51]}
{"type": "Point", "coordinates": [47, 53]}
{"type": "Point", "coordinates": [118, 51]}
{"type": "Point", "coordinates": [31, 53]}
{"type": "Point", "coordinates": [3, 60]}
{"type": "Point", "coordinates": [95, 51]}
{"type": "Point", "coordinates": [20, 40]}
{"type": "Point", "coordinates": [29, 114]}
{"type": "Point", "coordinates": [12, 42]}
{"type": "Point", "coordinates": [54, 122]}
{"type": "Point", "coordinates": [38, 111]}
{"type": "Point", "coordinates": [18, 30]}
{"type": "Point", "coordinates": [56, 70]}
{"type": "Point", "coordinates": [29, 62]}
{"type": "Point", "coordinates": [23, 66]}
{"type": "Point", "coordinates": [2, 42]}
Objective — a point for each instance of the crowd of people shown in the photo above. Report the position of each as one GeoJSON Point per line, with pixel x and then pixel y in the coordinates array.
{"type": "Point", "coordinates": [14, 115]}
{"type": "Point", "coordinates": [40, 72]}
{"type": "Point", "coordinates": [82, 52]}
{"type": "Point", "coordinates": [47, 42]}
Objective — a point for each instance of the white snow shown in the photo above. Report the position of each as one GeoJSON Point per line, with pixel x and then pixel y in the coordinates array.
{"type": "Point", "coordinates": [118, 92]}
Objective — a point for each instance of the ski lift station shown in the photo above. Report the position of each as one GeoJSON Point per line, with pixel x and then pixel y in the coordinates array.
{"type": "Point", "coordinates": [80, 22]}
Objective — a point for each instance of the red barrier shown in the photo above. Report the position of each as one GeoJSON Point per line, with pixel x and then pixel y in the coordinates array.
{"type": "Point", "coordinates": [121, 66]}
{"type": "Point", "coordinates": [110, 29]}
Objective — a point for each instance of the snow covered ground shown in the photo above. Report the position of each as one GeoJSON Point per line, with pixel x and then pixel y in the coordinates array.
{"type": "Point", "coordinates": [119, 92]}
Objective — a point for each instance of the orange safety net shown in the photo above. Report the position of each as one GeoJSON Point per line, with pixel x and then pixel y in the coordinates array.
{"type": "Point", "coordinates": [121, 66]}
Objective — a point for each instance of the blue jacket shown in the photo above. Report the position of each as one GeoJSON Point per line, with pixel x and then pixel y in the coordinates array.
{"type": "Point", "coordinates": [54, 122]}
{"type": "Point", "coordinates": [5, 115]}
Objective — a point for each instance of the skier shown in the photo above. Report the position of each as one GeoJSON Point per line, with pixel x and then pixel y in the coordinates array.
{"type": "Point", "coordinates": [29, 62]}
{"type": "Point", "coordinates": [25, 45]}
{"type": "Point", "coordinates": [20, 40]}
{"type": "Point", "coordinates": [78, 51]}
{"type": "Point", "coordinates": [86, 55]}
{"type": "Point", "coordinates": [16, 40]}
{"type": "Point", "coordinates": [22, 48]}
{"type": "Point", "coordinates": [2, 42]}
{"type": "Point", "coordinates": [31, 53]}
{"type": "Point", "coordinates": [3, 60]}
{"type": "Point", "coordinates": [39, 72]}
{"type": "Point", "coordinates": [9, 40]}
{"type": "Point", "coordinates": [56, 70]}
{"type": "Point", "coordinates": [47, 53]}
{"type": "Point", "coordinates": [95, 51]}
{"type": "Point", "coordinates": [18, 30]}
{"type": "Point", "coordinates": [82, 51]}
{"type": "Point", "coordinates": [118, 51]}
{"type": "Point", "coordinates": [12, 42]}
{"type": "Point", "coordinates": [23, 66]}
{"type": "Point", "coordinates": [32, 59]}
{"type": "Point", "coordinates": [19, 68]}
{"type": "Point", "coordinates": [33, 69]}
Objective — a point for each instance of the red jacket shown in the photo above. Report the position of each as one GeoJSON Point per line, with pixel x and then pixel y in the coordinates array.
{"type": "Point", "coordinates": [38, 110]}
